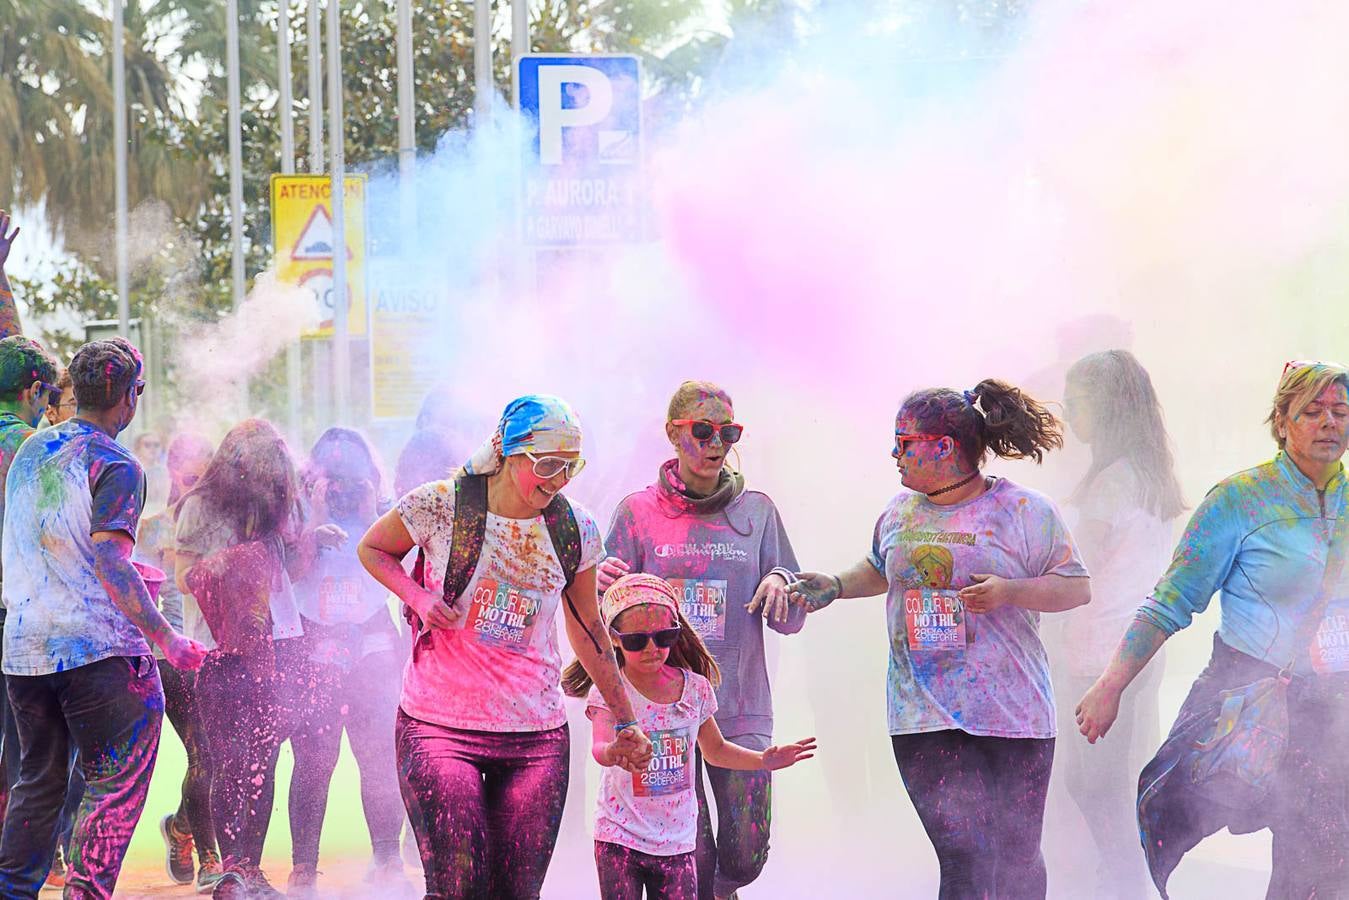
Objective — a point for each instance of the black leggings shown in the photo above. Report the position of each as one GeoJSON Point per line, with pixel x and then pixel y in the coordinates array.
{"type": "Point", "coordinates": [982, 802]}
{"type": "Point", "coordinates": [364, 701]}
{"type": "Point", "coordinates": [180, 708]}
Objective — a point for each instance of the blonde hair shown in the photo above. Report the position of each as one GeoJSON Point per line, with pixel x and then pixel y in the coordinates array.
{"type": "Point", "coordinates": [1298, 387]}
{"type": "Point", "coordinates": [689, 393]}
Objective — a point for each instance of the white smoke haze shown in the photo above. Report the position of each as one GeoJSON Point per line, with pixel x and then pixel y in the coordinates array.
{"type": "Point", "coordinates": [845, 223]}
{"type": "Point", "coordinates": [217, 360]}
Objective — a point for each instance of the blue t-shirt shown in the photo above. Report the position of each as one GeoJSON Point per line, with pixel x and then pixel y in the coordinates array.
{"type": "Point", "coordinates": [1259, 540]}
{"type": "Point", "coordinates": [64, 485]}
{"type": "Point", "coordinates": [984, 674]}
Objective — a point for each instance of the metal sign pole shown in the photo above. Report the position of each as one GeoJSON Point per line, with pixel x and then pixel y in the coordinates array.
{"type": "Point", "coordinates": [483, 85]}
{"type": "Point", "coordinates": [119, 155]}
{"type": "Point", "coordinates": [341, 344]}
{"type": "Point", "coordinates": [285, 108]}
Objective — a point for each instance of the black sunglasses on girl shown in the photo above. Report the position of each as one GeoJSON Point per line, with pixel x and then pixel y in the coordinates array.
{"type": "Point", "coordinates": [635, 641]}
{"type": "Point", "coordinates": [702, 430]}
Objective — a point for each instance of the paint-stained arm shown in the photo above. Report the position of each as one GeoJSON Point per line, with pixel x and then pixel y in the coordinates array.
{"type": "Point", "coordinates": [127, 590]}
{"type": "Point", "coordinates": [1200, 566]}
{"type": "Point", "coordinates": [1100, 705]}
{"type": "Point", "coordinates": [816, 590]}
{"type": "Point", "coordinates": [381, 551]}
{"type": "Point", "coordinates": [590, 642]}
{"type": "Point", "coordinates": [9, 311]}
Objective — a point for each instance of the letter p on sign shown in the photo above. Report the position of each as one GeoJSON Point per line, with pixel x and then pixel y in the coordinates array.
{"type": "Point", "coordinates": [554, 82]}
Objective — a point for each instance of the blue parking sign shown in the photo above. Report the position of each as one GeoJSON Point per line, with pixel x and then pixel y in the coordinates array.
{"type": "Point", "coordinates": [582, 169]}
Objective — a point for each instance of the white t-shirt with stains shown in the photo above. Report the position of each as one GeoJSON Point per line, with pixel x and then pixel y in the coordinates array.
{"type": "Point", "coordinates": [984, 674]}
{"type": "Point", "coordinates": [499, 668]}
{"type": "Point", "coordinates": [656, 811]}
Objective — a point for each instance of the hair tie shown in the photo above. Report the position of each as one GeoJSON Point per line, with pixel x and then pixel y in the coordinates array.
{"type": "Point", "coordinates": [971, 397]}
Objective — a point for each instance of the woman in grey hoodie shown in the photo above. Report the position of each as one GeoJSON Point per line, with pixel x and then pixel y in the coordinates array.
{"type": "Point", "coordinates": [726, 551]}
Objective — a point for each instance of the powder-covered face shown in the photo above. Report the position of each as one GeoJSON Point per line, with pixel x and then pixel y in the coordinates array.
{"type": "Point", "coordinates": [923, 465]}
{"type": "Point", "coordinates": [702, 458]}
{"type": "Point", "coordinates": [646, 617]}
{"type": "Point", "coordinates": [1319, 434]}
{"type": "Point", "coordinates": [535, 491]}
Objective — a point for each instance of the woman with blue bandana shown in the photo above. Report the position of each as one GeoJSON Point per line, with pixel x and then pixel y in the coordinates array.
{"type": "Point", "coordinates": [482, 738]}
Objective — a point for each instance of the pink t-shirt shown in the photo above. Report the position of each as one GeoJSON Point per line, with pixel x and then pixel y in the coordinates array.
{"type": "Point", "coordinates": [656, 812]}
{"type": "Point", "coordinates": [499, 669]}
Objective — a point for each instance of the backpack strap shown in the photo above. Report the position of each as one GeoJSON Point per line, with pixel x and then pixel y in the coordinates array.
{"type": "Point", "coordinates": [566, 537]}
{"type": "Point", "coordinates": [470, 529]}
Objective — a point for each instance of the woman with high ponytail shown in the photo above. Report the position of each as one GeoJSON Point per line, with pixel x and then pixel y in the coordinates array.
{"type": "Point", "coordinates": [968, 562]}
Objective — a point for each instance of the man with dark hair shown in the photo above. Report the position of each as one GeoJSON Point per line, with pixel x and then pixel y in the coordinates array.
{"type": "Point", "coordinates": [77, 664]}
{"type": "Point", "coordinates": [27, 377]}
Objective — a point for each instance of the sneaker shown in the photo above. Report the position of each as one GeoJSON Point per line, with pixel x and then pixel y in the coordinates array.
{"type": "Point", "coordinates": [259, 888]}
{"type": "Point", "coordinates": [178, 851]}
{"type": "Point", "coordinates": [209, 874]}
{"type": "Point", "coordinates": [230, 886]}
{"type": "Point", "coordinates": [303, 881]}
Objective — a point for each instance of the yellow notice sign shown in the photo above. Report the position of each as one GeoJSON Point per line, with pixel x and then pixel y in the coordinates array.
{"type": "Point", "coordinates": [302, 243]}
{"type": "Point", "coordinates": [408, 354]}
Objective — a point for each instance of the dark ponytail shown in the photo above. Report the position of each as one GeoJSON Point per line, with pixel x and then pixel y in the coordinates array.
{"type": "Point", "coordinates": [1016, 426]}
{"type": "Point", "coordinates": [995, 416]}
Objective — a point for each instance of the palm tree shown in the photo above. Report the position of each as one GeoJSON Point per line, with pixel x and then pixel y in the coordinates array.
{"type": "Point", "coordinates": [41, 51]}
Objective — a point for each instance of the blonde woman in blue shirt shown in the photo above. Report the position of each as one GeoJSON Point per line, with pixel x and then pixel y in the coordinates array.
{"type": "Point", "coordinates": [1260, 540]}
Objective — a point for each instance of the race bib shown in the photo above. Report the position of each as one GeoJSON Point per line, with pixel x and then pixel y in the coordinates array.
{"type": "Point", "coordinates": [703, 603]}
{"type": "Point", "coordinates": [935, 620]}
{"type": "Point", "coordinates": [1330, 645]}
{"type": "Point", "coordinates": [669, 770]}
{"type": "Point", "coordinates": [340, 599]}
{"type": "Point", "coordinates": [502, 616]}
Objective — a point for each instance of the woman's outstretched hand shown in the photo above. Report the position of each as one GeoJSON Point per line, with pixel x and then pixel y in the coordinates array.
{"type": "Point", "coordinates": [813, 590]}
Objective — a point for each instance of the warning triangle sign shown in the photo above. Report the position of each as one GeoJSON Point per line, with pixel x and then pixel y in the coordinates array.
{"type": "Point", "coordinates": [316, 240]}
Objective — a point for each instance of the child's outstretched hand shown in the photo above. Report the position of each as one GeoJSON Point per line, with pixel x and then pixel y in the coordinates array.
{"type": "Point", "coordinates": [788, 754]}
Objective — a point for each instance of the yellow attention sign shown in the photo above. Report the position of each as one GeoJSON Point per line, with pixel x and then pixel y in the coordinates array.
{"type": "Point", "coordinates": [302, 243]}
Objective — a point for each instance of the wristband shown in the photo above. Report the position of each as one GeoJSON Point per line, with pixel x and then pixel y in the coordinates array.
{"type": "Point", "coordinates": [839, 582]}
{"type": "Point", "coordinates": [624, 726]}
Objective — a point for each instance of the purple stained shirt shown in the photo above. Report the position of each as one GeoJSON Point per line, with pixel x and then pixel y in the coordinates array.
{"type": "Point", "coordinates": [985, 674]}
